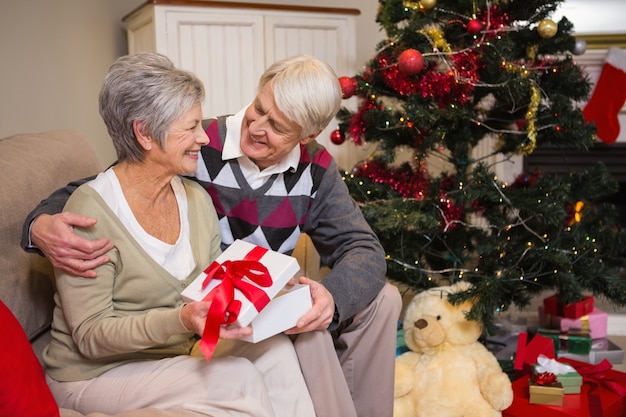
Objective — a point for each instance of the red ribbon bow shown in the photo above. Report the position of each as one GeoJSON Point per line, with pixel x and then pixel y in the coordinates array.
{"type": "Point", "coordinates": [545, 379]}
{"type": "Point", "coordinates": [224, 308]}
{"type": "Point", "coordinates": [595, 374]}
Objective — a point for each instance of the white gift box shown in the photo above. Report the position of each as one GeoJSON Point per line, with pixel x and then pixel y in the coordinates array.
{"type": "Point", "coordinates": [281, 268]}
{"type": "Point", "coordinates": [282, 313]}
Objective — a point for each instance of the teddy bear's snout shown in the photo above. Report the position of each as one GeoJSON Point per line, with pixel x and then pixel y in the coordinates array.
{"type": "Point", "coordinates": [421, 324]}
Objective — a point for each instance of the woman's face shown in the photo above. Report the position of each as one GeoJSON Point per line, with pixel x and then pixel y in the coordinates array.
{"type": "Point", "coordinates": [267, 135]}
{"type": "Point", "coordinates": [183, 142]}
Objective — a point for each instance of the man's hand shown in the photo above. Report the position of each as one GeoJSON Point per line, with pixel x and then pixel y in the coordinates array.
{"type": "Point", "coordinates": [321, 313]}
{"type": "Point", "coordinates": [54, 236]}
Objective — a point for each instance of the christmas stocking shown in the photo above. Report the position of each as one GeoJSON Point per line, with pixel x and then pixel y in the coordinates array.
{"type": "Point", "coordinates": [608, 96]}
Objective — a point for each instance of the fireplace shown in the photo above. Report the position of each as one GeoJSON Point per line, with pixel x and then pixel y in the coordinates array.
{"type": "Point", "coordinates": [561, 161]}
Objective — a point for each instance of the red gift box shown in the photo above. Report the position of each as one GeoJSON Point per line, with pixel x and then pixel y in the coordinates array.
{"type": "Point", "coordinates": [602, 395]}
{"type": "Point", "coordinates": [552, 307]}
{"type": "Point", "coordinates": [526, 354]}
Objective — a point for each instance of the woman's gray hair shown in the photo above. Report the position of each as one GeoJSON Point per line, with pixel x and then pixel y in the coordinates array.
{"type": "Point", "coordinates": [306, 90]}
{"type": "Point", "coordinates": [145, 87]}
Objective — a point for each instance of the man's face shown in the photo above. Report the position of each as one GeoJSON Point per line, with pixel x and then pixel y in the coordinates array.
{"type": "Point", "coordinates": [267, 135]}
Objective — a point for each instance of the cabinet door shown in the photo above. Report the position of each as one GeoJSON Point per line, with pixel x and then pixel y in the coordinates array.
{"type": "Point", "coordinates": [329, 38]}
{"type": "Point", "coordinates": [225, 50]}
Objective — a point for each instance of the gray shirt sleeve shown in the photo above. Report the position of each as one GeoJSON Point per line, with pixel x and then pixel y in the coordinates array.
{"type": "Point", "coordinates": [346, 244]}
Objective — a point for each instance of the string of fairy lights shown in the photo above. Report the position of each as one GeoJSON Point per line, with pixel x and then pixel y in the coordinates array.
{"type": "Point", "coordinates": [490, 26]}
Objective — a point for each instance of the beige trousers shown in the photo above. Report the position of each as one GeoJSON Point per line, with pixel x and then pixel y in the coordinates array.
{"type": "Point", "coordinates": [350, 371]}
{"type": "Point", "coordinates": [260, 380]}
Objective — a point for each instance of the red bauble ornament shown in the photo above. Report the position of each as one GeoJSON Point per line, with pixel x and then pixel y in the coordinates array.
{"type": "Point", "coordinates": [348, 86]}
{"type": "Point", "coordinates": [474, 26]}
{"type": "Point", "coordinates": [410, 62]}
{"type": "Point", "coordinates": [337, 137]}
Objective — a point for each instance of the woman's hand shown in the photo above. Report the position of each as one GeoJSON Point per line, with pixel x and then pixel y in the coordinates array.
{"type": "Point", "coordinates": [193, 317]}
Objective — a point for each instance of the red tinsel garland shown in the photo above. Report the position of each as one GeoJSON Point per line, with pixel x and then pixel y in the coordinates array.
{"type": "Point", "coordinates": [494, 21]}
{"type": "Point", "coordinates": [357, 125]}
{"type": "Point", "coordinates": [408, 183]}
{"type": "Point", "coordinates": [454, 87]}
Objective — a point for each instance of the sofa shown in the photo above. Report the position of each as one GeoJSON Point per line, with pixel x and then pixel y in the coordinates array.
{"type": "Point", "coordinates": [32, 166]}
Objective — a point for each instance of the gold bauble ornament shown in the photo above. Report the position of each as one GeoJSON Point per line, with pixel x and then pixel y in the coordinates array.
{"type": "Point", "coordinates": [414, 5]}
{"type": "Point", "coordinates": [428, 4]}
{"type": "Point", "coordinates": [547, 28]}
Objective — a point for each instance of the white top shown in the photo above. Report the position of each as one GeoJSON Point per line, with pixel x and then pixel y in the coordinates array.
{"type": "Point", "coordinates": [177, 259]}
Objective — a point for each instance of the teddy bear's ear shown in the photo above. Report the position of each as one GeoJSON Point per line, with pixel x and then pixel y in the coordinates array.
{"type": "Point", "coordinates": [460, 286]}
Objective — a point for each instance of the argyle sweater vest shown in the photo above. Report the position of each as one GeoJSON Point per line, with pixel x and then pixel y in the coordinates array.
{"type": "Point", "coordinates": [273, 215]}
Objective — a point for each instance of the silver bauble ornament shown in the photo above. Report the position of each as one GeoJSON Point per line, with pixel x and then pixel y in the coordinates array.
{"type": "Point", "coordinates": [580, 47]}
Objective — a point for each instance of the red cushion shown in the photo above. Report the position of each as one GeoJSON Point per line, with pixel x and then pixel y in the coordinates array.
{"type": "Point", "coordinates": [23, 388]}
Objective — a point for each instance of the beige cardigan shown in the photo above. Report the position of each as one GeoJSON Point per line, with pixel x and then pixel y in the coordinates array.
{"type": "Point", "coordinates": [131, 311]}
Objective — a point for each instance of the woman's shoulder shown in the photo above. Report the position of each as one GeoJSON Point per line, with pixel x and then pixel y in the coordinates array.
{"type": "Point", "coordinates": [195, 192]}
{"type": "Point", "coordinates": [190, 183]}
{"type": "Point", "coordinates": [84, 196]}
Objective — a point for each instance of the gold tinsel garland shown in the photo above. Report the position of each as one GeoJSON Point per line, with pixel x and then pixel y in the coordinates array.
{"type": "Point", "coordinates": [531, 117]}
{"type": "Point", "coordinates": [437, 37]}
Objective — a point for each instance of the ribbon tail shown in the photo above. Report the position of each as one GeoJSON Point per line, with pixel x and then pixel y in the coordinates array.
{"type": "Point", "coordinates": [207, 347]}
{"type": "Point", "coordinates": [595, 406]}
{"type": "Point", "coordinates": [214, 319]}
{"type": "Point", "coordinates": [257, 297]}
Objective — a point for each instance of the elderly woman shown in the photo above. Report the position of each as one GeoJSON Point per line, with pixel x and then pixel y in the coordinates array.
{"type": "Point", "coordinates": [125, 340]}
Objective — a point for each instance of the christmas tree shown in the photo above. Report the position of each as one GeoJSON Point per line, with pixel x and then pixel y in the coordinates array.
{"type": "Point", "coordinates": [457, 90]}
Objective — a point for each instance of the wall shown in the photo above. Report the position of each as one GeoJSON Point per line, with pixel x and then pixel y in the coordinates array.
{"type": "Point", "coordinates": [54, 57]}
{"type": "Point", "coordinates": [55, 54]}
{"type": "Point", "coordinates": [597, 17]}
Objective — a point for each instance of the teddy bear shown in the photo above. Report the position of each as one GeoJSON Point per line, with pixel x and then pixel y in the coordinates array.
{"type": "Point", "coordinates": [447, 371]}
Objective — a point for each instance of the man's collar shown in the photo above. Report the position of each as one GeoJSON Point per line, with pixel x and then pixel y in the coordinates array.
{"type": "Point", "coordinates": [232, 148]}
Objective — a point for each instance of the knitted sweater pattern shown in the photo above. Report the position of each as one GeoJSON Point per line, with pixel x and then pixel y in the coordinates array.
{"type": "Point", "coordinates": [274, 221]}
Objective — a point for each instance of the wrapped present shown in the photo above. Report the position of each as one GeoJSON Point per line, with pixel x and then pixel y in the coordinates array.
{"type": "Point", "coordinates": [570, 380]}
{"type": "Point", "coordinates": [526, 354]}
{"type": "Point", "coordinates": [551, 394]}
{"type": "Point", "coordinates": [282, 313]}
{"type": "Point", "coordinates": [601, 349]}
{"type": "Point", "coordinates": [239, 284]}
{"type": "Point", "coordinates": [602, 394]}
{"type": "Point", "coordinates": [572, 342]}
{"type": "Point", "coordinates": [595, 323]}
{"type": "Point", "coordinates": [552, 307]}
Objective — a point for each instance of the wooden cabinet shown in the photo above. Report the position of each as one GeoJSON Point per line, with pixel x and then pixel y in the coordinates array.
{"type": "Point", "coordinates": [229, 45]}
